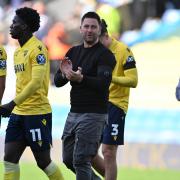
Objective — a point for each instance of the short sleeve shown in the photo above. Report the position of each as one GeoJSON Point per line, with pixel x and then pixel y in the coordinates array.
{"type": "Point", "coordinates": [39, 56]}
{"type": "Point", "coordinates": [128, 61]}
{"type": "Point", "coordinates": [3, 60]}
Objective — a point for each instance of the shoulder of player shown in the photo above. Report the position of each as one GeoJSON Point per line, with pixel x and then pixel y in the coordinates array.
{"type": "Point", "coordinates": [121, 45]}
{"type": "Point", "coordinates": [74, 49]}
{"type": "Point", "coordinates": [2, 49]}
{"type": "Point", "coordinates": [107, 56]}
{"type": "Point", "coordinates": [37, 44]}
{"type": "Point", "coordinates": [3, 54]}
{"type": "Point", "coordinates": [105, 51]}
{"type": "Point", "coordinates": [121, 50]}
{"type": "Point", "coordinates": [39, 47]}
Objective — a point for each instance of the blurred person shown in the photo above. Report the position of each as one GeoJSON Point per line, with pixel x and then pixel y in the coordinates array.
{"type": "Point", "coordinates": [112, 16]}
{"type": "Point", "coordinates": [56, 41]}
{"type": "Point", "coordinates": [10, 90]}
{"type": "Point", "coordinates": [3, 58]}
{"type": "Point", "coordinates": [89, 69]}
{"type": "Point", "coordinates": [45, 20]}
{"type": "Point", "coordinates": [72, 24]}
{"type": "Point", "coordinates": [124, 77]}
{"type": "Point", "coordinates": [57, 46]}
{"type": "Point", "coordinates": [30, 122]}
{"type": "Point", "coordinates": [9, 11]}
{"type": "Point", "coordinates": [178, 91]}
{"type": "Point", "coordinates": [15, 3]}
{"type": "Point", "coordinates": [87, 5]}
{"type": "Point", "coordinates": [175, 3]}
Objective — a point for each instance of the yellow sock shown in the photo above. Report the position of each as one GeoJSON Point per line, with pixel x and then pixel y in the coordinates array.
{"type": "Point", "coordinates": [53, 172]}
{"type": "Point", "coordinates": [12, 171]}
{"type": "Point", "coordinates": [57, 175]}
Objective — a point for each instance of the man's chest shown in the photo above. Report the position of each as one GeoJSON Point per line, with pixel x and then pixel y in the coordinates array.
{"type": "Point", "coordinates": [88, 61]}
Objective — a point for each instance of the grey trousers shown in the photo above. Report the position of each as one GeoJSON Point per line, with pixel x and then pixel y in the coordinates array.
{"type": "Point", "coordinates": [81, 138]}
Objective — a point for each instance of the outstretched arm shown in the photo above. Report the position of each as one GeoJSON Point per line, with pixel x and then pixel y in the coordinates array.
{"type": "Point", "coordinates": [38, 73]}
{"type": "Point", "coordinates": [130, 78]}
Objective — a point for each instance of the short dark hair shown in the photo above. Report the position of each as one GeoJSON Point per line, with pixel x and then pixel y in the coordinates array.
{"type": "Point", "coordinates": [91, 14]}
{"type": "Point", "coordinates": [103, 27]}
{"type": "Point", "coordinates": [30, 17]}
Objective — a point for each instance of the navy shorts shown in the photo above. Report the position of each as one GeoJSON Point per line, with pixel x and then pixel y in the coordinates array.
{"type": "Point", "coordinates": [33, 130]}
{"type": "Point", "coordinates": [114, 129]}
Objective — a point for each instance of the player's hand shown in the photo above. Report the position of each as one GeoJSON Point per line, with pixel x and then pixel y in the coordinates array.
{"type": "Point", "coordinates": [75, 76]}
{"type": "Point", "coordinates": [178, 91]}
{"type": "Point", "coordinates": [65, 65]}
{"type": "Point", "coordinates": [6, 109]}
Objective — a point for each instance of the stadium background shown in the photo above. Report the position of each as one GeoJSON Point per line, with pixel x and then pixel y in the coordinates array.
{"type": "Point", "coordinates": [153, 121]}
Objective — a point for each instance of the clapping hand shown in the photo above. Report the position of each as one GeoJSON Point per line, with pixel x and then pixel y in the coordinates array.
{"type": "Point", "coordinates": [75, 76]}
{"type": "Point", "coordinates": [65, 65]}
{"type": "Point", "coordinates": [66, 69]}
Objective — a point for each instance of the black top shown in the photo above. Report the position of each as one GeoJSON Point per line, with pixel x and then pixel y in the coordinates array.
{"type": "Point", "coordinates": [97, 63]}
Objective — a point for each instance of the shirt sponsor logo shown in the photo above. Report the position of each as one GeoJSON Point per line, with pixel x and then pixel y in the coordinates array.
{"type": "Point", "coordinates": [2, 64]}
{"type": "Point", "coordinates": [19, 68]}
{"type": "Point", "coordinates": [41, 59]}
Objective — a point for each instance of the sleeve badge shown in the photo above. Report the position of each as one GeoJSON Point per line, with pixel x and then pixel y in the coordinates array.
{"type": "Point", "coordinates": [41, 59]}
{"type": "Point", "coordinates": [2, 64]}
{"type": "Point", "coordinates": [130, 59]}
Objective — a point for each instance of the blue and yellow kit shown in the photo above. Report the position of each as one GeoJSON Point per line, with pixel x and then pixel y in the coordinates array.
{"type": "Point", "coordinates": [31, 65]}
{"type": "Point", "coordinates": [3, 58]}
{"type": "Point", "coordinates": [124, 75]}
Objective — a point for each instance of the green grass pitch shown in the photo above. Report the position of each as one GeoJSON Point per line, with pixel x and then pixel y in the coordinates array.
{"type": "Point", "coordinates": [29, 171]}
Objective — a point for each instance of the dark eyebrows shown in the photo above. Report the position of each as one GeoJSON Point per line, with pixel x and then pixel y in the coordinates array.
{"type": "Point", "coordinates": [87, 25]}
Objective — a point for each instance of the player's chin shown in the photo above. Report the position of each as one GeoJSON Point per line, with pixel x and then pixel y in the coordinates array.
{"type": "Point", "coordinates": [90, 41]}
{"type": "Point", "coordinates": [13, 36]}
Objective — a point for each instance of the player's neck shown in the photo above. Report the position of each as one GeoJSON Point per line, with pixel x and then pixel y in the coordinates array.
{"type": "Point", "coordinates": [24, 39]}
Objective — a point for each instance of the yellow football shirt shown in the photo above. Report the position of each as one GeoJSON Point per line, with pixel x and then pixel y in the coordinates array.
{"type": "Point", "coordinates": [119, 93]}
{"type": "Point", "coordinates": [3, 58]}
{"type": "Point", "coordinates": [32, 68]}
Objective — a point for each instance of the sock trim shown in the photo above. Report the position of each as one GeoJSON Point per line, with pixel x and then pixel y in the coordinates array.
{"type": "Point", "coordinates": [50, 169]}
{"type": "Point", "coordinates": [10, 167]}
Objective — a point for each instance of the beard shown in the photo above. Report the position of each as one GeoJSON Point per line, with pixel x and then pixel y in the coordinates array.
{"type": "Point", "coordinates": [90, 41]}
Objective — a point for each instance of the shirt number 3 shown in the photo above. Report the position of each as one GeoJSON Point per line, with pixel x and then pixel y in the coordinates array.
{"type": "Point", "coordinates": [114, 129]}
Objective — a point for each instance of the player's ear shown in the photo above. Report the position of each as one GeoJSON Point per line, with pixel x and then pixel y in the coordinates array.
{"type": "Point", "coordinates": [106, 35]}
{"type": "Point", "coordinates": [99, 33]}
{"type": "Point", "coordinates": [24, 26]}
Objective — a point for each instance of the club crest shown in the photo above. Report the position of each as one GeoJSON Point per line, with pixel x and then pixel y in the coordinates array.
{"type": "Point", "coordinates": [130, 59]}
{"type": "Point", "coordinates": [41, 59]}
{"type": "Point", "coordinates": [2, 64]}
